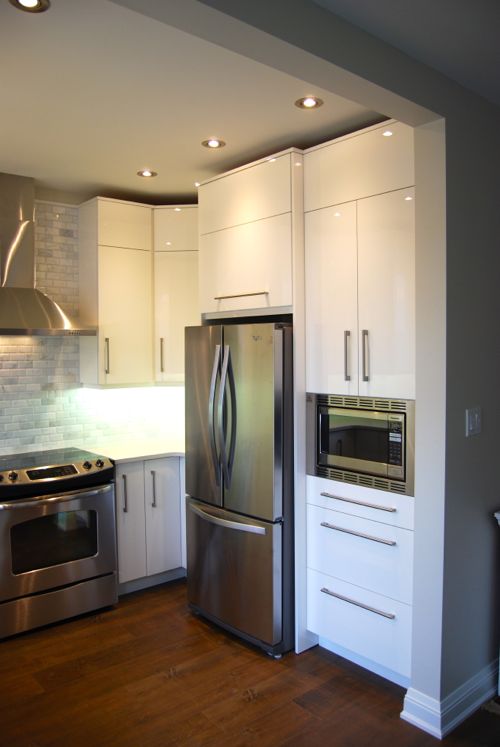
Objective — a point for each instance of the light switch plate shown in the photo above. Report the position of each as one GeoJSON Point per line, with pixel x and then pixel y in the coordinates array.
{"type": "Point", "coordinates": [472, 421]}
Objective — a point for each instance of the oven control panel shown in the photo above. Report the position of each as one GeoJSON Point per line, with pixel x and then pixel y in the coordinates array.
{"type": "Point", "coordinates": [43, 468]}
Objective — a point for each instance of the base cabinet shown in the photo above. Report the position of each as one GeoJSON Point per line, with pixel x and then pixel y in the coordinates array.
{"type": "Point", "coordinates": [148, 516]}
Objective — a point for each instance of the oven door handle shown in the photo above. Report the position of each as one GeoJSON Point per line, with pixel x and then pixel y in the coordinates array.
{"type": "Point", "coordinates": [53, 499]}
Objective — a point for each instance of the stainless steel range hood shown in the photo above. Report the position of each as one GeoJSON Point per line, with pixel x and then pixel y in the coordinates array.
{"type": "Point", "coordinates": [24, 310]}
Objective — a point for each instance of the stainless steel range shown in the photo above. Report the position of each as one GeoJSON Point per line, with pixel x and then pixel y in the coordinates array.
{"type": "Point", "coordinates": [57, 537]}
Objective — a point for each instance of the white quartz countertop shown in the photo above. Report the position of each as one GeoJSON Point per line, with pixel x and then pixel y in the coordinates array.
{"type": "Point", "coordinates": [130, 451]}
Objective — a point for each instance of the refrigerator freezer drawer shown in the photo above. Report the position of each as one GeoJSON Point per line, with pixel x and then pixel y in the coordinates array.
{"type": "Point", "coordinates": [234, 570]}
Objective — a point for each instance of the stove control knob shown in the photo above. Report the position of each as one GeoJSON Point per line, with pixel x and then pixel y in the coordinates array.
{"type": "Point", "coordinates": [99, 464]}
{"type": "Point", "coordinates": [87, 465]}
{"type": "Point", "coordinates": [12, 476]}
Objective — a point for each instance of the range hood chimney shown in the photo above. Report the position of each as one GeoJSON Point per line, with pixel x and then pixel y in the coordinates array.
{"type": "Point", "coordinates": [24, 310]}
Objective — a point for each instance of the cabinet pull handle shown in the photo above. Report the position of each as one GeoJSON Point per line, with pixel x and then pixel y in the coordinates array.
{"type": "Point", "coordinates": [125, 497]}
{"type": "Point", "coordinates": [241, 295]}
{"type": "Point", "coordinates": [389, 615]}
{"type": "Point", "coordinates": [390, 509]}
{"type": "Point", "coordinates": [153, 479]}
{"type": "Point", "coordinates": [364, 344]}
{"type": "Point", "coordinates": [347, 335]}
{"type": "Point", "coordinates": [382, 541]}
{"type": "Point", "coordinates": [106, 354]}
{"type": "Point", "coordinates": [162, 367]}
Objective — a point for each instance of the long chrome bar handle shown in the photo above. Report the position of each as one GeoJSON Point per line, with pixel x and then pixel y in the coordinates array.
{"type": "Point", "coordinates": [153, 480]}
{"type": "Point", "coordinates": [232, 443]}
{"type": "Point", "coordinates": [241, 295]}
{"type": "Point", "coordinates": [388, 615]}
{"type": "Point", "coordinates": [226, 523]}
{"type": "Point", "coordinates": [347, 336]}
{"type": "Point", "coordinates": [390, 509]}
{"type": "Point", "coordinates": [211, 414]}
{"type": "Point", "coordinates": [220, 415]}
{"type": "Point", "coordinates": [162, 366]}
{"type": "Point", "coordinates": [106, 355]}
{"type": "Point", "coordinates": [371, 537]}
{"type": "Point", "coordinates": [125, 496]}
{"type": "Point", "coordinates": [365, 351]}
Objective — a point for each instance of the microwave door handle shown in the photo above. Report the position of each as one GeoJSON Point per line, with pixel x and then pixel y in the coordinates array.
{"type": "Point", "coordinates": [365, 354]}
{"type": "Point", "coordinates": [211, 415]}
{"type": "Point", "coordinates": [347, 337]}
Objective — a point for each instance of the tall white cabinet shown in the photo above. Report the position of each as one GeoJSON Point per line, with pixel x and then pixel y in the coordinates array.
{"type": "Point", "coordinates": [116, 292]}
{"type": "Point", "coordinates": [175, 286]}
{"type": "Point", "coordinates": [360, 267]}
{"type": "Point", "coordinates": [250, 223]}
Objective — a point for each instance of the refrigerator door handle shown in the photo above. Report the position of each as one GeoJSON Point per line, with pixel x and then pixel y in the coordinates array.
{"type": "Point", "coordinates": [227, 377]}
{"type": "Point", "coordinates": [250, 528]}
{"type": "Point", "coordinates": [211, 414]}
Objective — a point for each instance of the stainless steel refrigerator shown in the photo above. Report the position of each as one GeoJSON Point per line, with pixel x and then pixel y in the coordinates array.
{"type": "Point", "coordinates": [239, 479]}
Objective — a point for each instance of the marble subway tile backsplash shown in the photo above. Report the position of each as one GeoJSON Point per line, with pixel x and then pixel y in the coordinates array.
{"type": "Point", "coordinates": [41, 402]}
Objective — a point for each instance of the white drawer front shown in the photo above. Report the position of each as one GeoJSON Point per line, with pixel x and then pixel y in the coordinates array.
{"type": "Point", "coordinates": [388, 508]}
{"type": "Point", "coordinates": [382, 638]}
{"type": "Point", "coordinates": [366, 553]}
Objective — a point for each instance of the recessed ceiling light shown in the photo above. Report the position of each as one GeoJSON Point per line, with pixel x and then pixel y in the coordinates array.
{"type": "Point", "coordinates": [271, 160]}
{"type": "Point", "coordinates": [213, 142]}
{"type": "Point", "coordinates": [337, 215]}
{"type": "Point", "coordinates": [197, 184]}
{"type": "Point", "coordinates": [177, 210]}
{"type": "Point", "coordinates": [147, 173]}
{"type": "Point", "coordinates": [387, 133]}
{"type": "Point", "coordinates": [168, 243]}
{"type": "Point", "coordinates": [31, 6]}
{"type": "Point", "coordinates": [309, 102]}
{"type": "Point", "coordinates": [408, 198]}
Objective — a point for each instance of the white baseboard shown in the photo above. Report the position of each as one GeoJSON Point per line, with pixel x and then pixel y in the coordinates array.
{"type": "Point", "coordinates": [439, 718]}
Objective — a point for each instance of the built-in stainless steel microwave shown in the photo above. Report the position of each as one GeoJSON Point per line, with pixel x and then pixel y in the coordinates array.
{"type": "Point", "coordinates": [362, 440]}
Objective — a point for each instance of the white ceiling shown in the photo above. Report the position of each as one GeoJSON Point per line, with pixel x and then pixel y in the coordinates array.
{"type": "Point", "coordinates": [92, 92]}
{"type": "Point", "coordinates": [460, 38]}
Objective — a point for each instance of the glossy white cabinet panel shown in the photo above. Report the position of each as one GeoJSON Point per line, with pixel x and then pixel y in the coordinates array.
{"type": "Point", "coordinates": [149, 536]}
{"type": "Point", "coordinates": [124, 224]}
{"type": "Point", "coordinates": [130, 521]}
{"type": "Point", "coordinates": [163, 515]}
{"type": "Point", "coordinates": [386, 294]}
{"type": "Point", "coordinates": [125, 316]}
{"type": "Point", "coordinates": [249, 194]}
{"type": "Point", "coordinates": [367, 553]}
{"type": "Point", "coordinates": [331, 300]}
{"type": "Point", "coordinates": [176, 307]}
{"type": "Point", "coordinates": [382, 638]}
{"type": "Point", "coordinates": [359, 165]}
{"type": "Point", "coordinates": [367, 503]}
{"type": "Point", "coordinates": [175, 228]}
{"type": "Point", "coordinates": [249, 266]}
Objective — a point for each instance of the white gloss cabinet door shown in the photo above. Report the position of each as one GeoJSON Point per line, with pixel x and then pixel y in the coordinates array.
{"type": "Point", "coordinates": [249, 194]}
{"type": "Point", "coordinates": [386, 291]}
{"type": "Point", "coordinates": [247, 267]}
{"type": "Point", "coordinates": [130, 521]}
{"type": "Point", "coordinates": [331, 300]}
{"type": "Point", "coordinates": [358, 166]}
{"type": "Point", "coordinates": [176, 307]}
{"type": "Point", "coordinates": [175, 228]}
{"type": "Point", "coordinates": [163, 520]}
{"type": "Point", "coordinates": [124, 224]}
{"type": "Point", "coordinates": [125, 316]}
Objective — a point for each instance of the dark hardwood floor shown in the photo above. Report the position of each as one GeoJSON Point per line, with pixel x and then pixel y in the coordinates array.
{"type": "Point", "coordinates": [148, 673]}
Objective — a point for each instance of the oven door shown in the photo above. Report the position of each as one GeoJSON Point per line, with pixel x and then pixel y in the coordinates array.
{"type": "Point", "coordinates": [353, 440]}
{"type": "Point", "coordinates": [48, 542]}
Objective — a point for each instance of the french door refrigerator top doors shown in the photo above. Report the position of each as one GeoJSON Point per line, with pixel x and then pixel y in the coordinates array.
{"type": "Point", "coordinates": [239, 479]}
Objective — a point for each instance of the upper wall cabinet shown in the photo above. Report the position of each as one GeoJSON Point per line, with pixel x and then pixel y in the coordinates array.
{"type": "Point", "coordinates": [359, 165]}
{"type": "Point", "coordinates": [176, 286]}
{"type": "Point", "coordinates": [116, 291]}
{"type": "Point", "coordinates": [250, 224]}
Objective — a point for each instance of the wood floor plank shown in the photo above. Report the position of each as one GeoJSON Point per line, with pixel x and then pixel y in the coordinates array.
{"type": "Point", "coordinates": [148, 673]}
